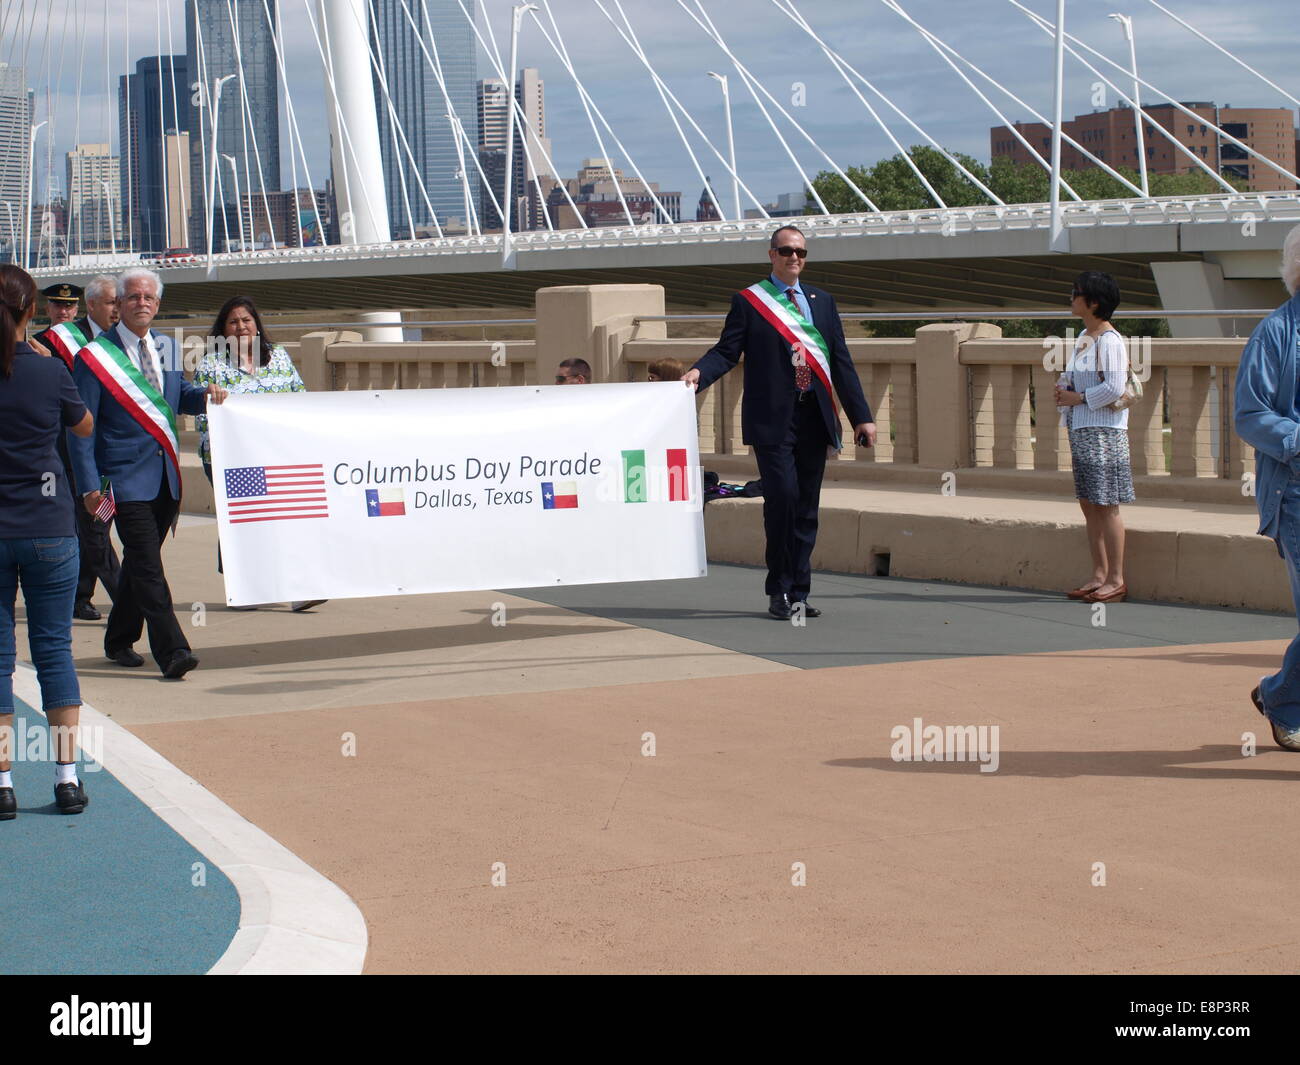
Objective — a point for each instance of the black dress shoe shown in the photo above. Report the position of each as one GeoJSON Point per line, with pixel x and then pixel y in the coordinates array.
{"type": "Point", "coordinates": [125, 657]}
{"type": "Point", "coordinates": [779, 607]}
{"type": "Point", "coordinates": [809, 611]}
{"type": "Point", "coordinates": [71, 798]}
{"type": "Point", "coordinates": [86, 612]}
{"type": "Point", "coordinates": [179, 664]}
{"type": "Point", "coordinates": [8, 804]}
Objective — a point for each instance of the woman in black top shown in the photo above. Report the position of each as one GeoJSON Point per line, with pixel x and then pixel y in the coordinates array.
{"type": "Point", "coordinates": [38, 536]}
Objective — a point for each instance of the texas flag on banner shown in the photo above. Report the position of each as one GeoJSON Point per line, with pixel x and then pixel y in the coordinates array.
{"type": "Point", "coordinates": [637, 476]}
{"type": "Point", "coordinates": [385, 502]}
{"type": "Point", "coordinates": [563, 496]}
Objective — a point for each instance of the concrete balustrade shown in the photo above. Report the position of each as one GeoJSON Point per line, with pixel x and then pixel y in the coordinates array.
{"type": "Point", "coordinates": [955, 397]}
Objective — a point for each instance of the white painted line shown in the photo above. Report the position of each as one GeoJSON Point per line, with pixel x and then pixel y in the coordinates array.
{"type": "Point", "coordinates": [292, 920]}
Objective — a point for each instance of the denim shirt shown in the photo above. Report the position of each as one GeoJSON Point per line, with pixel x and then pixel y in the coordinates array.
{"type": "Point", "coordinates": [1267, 414]}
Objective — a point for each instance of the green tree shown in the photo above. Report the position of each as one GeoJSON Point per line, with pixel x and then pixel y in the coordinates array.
{"type": "Point", "coordinates": [894, 186]}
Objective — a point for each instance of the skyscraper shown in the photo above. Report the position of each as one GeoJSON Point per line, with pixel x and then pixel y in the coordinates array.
{"type": "Point", "coordinates": [222, 38]}
{"type": "Point", "coordinates": [94, 213]}
{"type": "Point", "coordinates": [153, 105]}
{"type": "Point", "coordinates": [427, 142]}
{"type": "Point", "coordinates": [16, 109]}
{"type": "Point", "coordinates": [530, 93]}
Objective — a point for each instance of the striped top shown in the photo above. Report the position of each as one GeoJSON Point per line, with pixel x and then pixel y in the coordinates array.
{"type": "Point", "coordinates": [1098, 390]}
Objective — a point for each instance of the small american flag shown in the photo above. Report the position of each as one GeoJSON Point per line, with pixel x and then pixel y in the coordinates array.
{"type": "Point", "coordinates": [107, 508]}
{"type": "Point", "coordinates": [275, 493]}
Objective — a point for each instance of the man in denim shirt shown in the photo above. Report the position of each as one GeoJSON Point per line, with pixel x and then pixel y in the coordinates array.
{"type": "Point", "coordinates": [1268, 418]}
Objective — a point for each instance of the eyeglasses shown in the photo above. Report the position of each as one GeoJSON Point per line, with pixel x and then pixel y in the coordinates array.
{"type": "Point", "coordinates": [785, 251]}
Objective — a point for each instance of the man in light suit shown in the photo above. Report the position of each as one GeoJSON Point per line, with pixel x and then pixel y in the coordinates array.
{"type": "Point", "coordinates": [131, 378]}
{"type": "Point", "coordinates": [792, 340]}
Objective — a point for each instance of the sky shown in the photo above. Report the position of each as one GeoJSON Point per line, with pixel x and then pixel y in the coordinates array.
{"type": "Point", "coordinates": [993, 34]}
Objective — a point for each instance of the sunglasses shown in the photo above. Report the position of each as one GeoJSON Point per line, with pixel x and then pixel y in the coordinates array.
{"type": "Point", "coordinates": [785, 250]}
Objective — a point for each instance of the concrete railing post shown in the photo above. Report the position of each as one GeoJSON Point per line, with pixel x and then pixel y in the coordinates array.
{"type": "Point", "coordinates": [593, 322]}
{"type": "Point", "coordinates": [942, 409]}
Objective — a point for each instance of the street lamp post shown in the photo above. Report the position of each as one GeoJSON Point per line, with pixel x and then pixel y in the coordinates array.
{"type": "Point", "coordinates": [217, 84]}
{"type": "Point", "coordinates": [239, 210]}
{"type": "Point", "coordinates": [1058, 240]}
{"type": "Point", "coordinates": [519, 11]}
{"type": "Point", "coordinates": [731, 140]}
{"type": "Point", "coordinates": [31, 185]}
{"type": "Point", "coordinates": [1127, 22]}
{"type": "Point", "coordinates": [112, 230]}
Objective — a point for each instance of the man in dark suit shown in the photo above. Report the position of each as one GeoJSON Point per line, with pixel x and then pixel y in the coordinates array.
{"type": "Point", "coordinates": [131, 378]}
{"type": "Point", "coordinates": [795, 357]}
{"type": "Point", "coordinates": [98, 557]}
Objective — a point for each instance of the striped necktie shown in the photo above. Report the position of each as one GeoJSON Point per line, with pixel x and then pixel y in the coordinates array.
{"type": "Point", "coordinates": [802, 371]}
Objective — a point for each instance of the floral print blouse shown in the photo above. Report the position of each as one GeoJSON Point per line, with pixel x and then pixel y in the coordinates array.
{"type": "Point", "coordinates": [278, 375]}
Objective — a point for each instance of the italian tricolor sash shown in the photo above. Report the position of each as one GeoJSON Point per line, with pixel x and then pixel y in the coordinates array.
{"type": "Point", "coordinates": [797, 331]}
{"type": "Point", "coordinates": [128, 386]}
{"type": "Point", "coordinates": [67, 340]}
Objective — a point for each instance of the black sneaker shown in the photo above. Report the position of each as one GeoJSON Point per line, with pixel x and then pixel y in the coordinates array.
{"type": "Point", "coordinates": [71, 798]}
{"type": "Point", "coordinates": [8, 804]}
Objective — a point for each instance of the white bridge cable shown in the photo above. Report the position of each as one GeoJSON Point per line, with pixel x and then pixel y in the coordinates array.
{"type": "Point", "coordinates": [81, 66]}
{"type": "Point", "coordinates": [938, 47]}
{"type": "Point", "coordinates": [347, 146]}
{"type": "Point", "coordinates": [587, 99]}
{"type": "Point", "coordinates": [200, 77]}
{"type": "Point", "coordinates": [1050, 28]}
{"type": "Point", "coordinates": [295, 135]}
{"type": "Point", "coordinates": [563, 53]}
{"type": "Point", "coordinates": [162, 129]}
{"type": "Point", "coordinates": [51, 80]}
{"type": "Point", "coordinates": [513, 108]}
{"type": "Point", "coordinates": [840, 65]}
{"type": "Point", "coordinates": [845, 68]}
{"type": "Point", "coordinates": [753, 84]}
{"type": "Point", "coordinates": [458, 133]}
{"type": "Point", "coordinates": [132, 132]}
{"type": "Point", "coordinates": [246, 110]}
{"type": "Point", "coordinates": [1029, 108]}
{"type": "Point", "coordinates": [176, 126]}
{"type": "Point", "coordinates": [1210, 41]}
{"type": "Point", "coordinates": [436, 66]}
{"type": "Point", "coordinates": [665, 94]}
{"type": "Point", "coordinates": [377, 65]}
{"type": "Point", "coordinates": [524, 130]}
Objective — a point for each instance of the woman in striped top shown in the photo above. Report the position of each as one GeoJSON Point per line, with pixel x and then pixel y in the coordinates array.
{"type": "Point", "coordinates": [1097, 376]}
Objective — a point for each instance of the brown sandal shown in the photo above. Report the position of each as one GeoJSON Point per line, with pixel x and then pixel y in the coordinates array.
{"type": "Point", "coordinates": [1117, 596]}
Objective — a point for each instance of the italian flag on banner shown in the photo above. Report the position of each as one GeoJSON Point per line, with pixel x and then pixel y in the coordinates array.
{"type": "Point", "coordinates": [636, 476]}
{"type": "Point", "coordinates": [67, 340]}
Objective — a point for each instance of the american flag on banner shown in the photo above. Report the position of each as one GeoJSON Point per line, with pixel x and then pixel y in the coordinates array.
{"type": "Point", "coordinates": [275, 493]}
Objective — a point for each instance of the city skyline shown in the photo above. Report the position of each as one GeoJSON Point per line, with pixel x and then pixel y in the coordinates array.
{"type": "Point", "coordinates": [885, 49]}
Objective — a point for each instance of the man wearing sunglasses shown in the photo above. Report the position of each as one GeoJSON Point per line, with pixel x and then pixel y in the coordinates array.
{"type": "Point", "coordinates": [796, 363]}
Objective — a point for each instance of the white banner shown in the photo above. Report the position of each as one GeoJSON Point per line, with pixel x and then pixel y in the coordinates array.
{"type": "Point", "coordinates": [335, 494]}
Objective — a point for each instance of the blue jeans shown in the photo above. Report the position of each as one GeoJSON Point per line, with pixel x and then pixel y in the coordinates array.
{"type": "Point", "coordinates": [1281, 692]}
{"type": "Point", "coordinates": [47, 569]}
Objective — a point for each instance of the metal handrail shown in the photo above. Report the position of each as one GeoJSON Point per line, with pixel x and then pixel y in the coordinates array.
{"type": "Point", "coordinates": [962, 316]}
{"type": "Point", "coordinates": [421, 325]}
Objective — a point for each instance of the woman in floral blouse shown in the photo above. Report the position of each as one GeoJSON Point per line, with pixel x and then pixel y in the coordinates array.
{"type": "Point", "coordinates": [242, 360]}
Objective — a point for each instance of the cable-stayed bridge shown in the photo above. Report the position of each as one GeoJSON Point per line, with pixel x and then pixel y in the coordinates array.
{"type": "Point", "coordinates": [1164, 250]}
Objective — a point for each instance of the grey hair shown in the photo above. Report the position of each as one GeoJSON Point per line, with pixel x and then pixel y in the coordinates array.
{"type": "Point", "coordinates": [135, 274]}
{"type": "Point", "coordinates": [1291, 261]}
{"type": "Point", "coordinates": [96, 287]}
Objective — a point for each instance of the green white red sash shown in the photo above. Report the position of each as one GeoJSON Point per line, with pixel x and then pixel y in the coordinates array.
{"type": "Point", "coordinates": [139, 398]}
{"type": "Point", "coordinates": [67, 340]}
{"type": "Point", "coordinates": [784, 316]}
